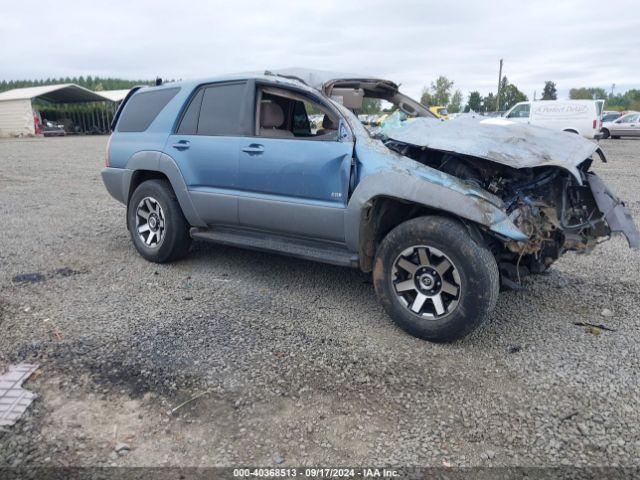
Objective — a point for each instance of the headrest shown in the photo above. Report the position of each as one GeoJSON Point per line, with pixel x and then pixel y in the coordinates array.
{"type": "Point", "coordinates": [271, 115]}
{"type": "Point", "coordinates": [327, 123]}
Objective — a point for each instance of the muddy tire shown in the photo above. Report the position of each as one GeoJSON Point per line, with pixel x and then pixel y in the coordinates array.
{"type": "Point", "coordinates": [156, 223]}
{"type": "Point", "coordinates": [434, 280]}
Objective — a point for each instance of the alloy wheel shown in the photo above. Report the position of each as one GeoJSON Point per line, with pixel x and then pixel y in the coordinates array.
{"type": "Point", "coordinates": [150, 222]}
{"type": "Point", "coordinates": [426, 281]}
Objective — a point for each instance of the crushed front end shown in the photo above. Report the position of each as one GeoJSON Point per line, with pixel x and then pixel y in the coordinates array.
{"type": "Point", "coordinates": [558, 209]}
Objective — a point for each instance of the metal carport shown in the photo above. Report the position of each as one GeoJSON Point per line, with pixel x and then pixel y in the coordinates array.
{"type": "Point", "coordinates": [17, 109]}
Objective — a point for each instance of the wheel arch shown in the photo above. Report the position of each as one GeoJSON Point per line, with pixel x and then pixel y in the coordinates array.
{"type": "Point", "coordinates": [385, 200]}
{"type": "Point", "coordinates": [385, 213]}
{"type": "Point", "coordinates": [149, 165]}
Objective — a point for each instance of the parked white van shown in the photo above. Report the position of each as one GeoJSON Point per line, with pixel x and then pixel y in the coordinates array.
{"type": "Point", "coordinates": [583, 117]}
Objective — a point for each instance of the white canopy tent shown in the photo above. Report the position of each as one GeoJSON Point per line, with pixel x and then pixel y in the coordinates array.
{"type": "Point", "coordinates": [16, 107]}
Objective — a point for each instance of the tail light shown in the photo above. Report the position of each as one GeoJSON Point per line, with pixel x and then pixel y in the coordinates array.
{"type": "Point", "coordinates": [595, 124]}
{"type": "Point", "coordinates": [106, 153]}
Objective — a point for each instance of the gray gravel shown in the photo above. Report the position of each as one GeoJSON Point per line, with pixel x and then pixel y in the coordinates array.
{"type": "Point", "coordinates": [275, 361]}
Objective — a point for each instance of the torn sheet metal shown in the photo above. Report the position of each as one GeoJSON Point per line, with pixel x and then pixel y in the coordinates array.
{"type": "Point", "coordinates": [498, 140]}
{"type": "Point", "coordinates": [615, 212]}
{"type": "Point", "coordinates": [14, 401]}
{"type": "Point", "coordinates": [319, 78]}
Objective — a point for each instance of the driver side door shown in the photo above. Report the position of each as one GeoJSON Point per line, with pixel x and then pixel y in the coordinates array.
{"type": "Point", "coordinates": [294, 179]}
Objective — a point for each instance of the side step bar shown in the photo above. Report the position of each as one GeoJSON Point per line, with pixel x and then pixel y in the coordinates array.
{"type": "Point", "coordinates": [293, 247]}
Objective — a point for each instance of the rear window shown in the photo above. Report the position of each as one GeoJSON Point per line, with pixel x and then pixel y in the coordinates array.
{"type": "Point", "coordinates": [221, 111]}
{"type": "Point", "coordinates": [143, 108]}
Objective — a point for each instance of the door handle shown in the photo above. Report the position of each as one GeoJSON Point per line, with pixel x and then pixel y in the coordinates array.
{"type": "Point", "coordinates": [253, 149]}
{"type": "Point", "coordinates": [181, 145]}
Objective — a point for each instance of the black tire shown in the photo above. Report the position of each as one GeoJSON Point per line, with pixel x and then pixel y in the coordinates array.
{"type": "Point", "coordinates": [605, 133]}
{"type": "Point", "coordinates": [175, 240]}
{"type": "Point", "coordinates": [476, 269]}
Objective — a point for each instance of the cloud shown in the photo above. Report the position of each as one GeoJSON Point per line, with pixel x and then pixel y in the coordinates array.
{"type": "Point", "coordinates": [575, 43]}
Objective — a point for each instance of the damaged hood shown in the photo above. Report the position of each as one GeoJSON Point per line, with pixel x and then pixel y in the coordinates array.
{"type": "Point", "coordinates": [498, 140]}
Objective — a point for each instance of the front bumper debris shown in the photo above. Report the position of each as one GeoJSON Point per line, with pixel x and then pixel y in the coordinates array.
{"type": "Point", "coordinates": [615, 212]}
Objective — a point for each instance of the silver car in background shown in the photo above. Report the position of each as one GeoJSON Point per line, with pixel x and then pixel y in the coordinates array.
{"type": "Point", "coordinates": [626, 126]}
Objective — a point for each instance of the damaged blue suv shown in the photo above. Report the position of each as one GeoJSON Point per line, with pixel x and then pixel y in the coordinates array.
{"type": "Point", "coordinates": [441, 213]}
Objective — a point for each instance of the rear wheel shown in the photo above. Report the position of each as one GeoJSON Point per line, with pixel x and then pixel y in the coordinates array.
{"type": "Point", "coordinates": [434, 280]}
{"type": "Point", "coordinates": [158, 228]}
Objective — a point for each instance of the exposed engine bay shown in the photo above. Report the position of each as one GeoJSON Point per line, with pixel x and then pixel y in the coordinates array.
{"type": "Point", "coordinates": [556, 211]}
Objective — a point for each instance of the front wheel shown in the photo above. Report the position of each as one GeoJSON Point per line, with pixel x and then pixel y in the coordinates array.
{"type": "Point", "coordinates": [158, 228]}
{"type": "Point", "coordinates": [605, 133]}
{"type": "Point", "coordinates": [434, 280]}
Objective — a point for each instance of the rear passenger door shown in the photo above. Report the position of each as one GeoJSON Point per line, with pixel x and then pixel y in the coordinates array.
{"type": "Point", "coordinates": [205, 145]}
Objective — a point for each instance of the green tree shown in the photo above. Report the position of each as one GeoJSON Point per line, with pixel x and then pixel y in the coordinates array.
{"type": "Point", "coordinates": [456, 102]}
{"type": "Point", "coordinates": [549, 92]}
{"type": "Point", "coordinates": [587, 93]}
{"type": "Point", "coordinates": [371, 106]}
{"type": "Point", "coordinates": [510, 95]}
{"type": "Point", "coordinates": [489, 103]}
{"type": "Point", "coordinates": [474, 103]}
{"type": "Point", "coordinates": [425, 98]}
{"type": "Point", "coordinates": [441, 89]}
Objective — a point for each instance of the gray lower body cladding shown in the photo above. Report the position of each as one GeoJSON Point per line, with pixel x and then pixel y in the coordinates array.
{"type": "Point", "coordinates": [117, 182]}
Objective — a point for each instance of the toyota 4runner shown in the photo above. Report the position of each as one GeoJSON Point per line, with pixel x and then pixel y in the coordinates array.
{"type": "Point", "coordinates": [441, 213]}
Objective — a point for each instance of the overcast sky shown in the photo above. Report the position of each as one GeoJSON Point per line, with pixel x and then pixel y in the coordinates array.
{"type": "Point", "coordinates": [579, 43]}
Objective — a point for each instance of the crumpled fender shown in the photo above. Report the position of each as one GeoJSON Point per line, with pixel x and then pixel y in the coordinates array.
{"type": "Point", "coordinates": [433, 189]}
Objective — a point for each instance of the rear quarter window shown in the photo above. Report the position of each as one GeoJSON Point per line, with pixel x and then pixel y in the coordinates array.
{"type": "Point", "coordinates": [143, 108]}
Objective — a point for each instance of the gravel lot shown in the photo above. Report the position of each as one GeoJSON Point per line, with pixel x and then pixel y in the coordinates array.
{"type": "Point", "coordinates": [293, 363]}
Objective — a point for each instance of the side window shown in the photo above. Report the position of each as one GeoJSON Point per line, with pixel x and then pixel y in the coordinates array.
{"type": "Point", "coordinates": [520, 111]}
{"type": "Point", "coordinates": [630, 119]}
{"type": "Point", "coordinates": [189, 123]}
{"type": "Point", "coordinates": [300, 122]}
{"type": "Point", "coordinates": [284, 114]}
{"type": "Point", "coordinates": [143, 108]}
{"type": "Point", "coordinates": [221, 110]}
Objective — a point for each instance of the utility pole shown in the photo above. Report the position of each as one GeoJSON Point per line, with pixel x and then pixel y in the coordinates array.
{"type": "Point", "coordinates": [613, 85]}
{"type": "Point", "coordinates": [499, 82]}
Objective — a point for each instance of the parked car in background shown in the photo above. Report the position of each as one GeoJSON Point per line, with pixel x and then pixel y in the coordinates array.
{"type": "Point", "coordinates": [52, 129]}
{"type": "Point", "coordinates": [626, 126]}
{"type": "Point", "coordinates": [440, 213]}
{"type": "Point", "coordinates": [575, 116]}
{"type": "Point", "coordinates": [440, 112]}
{"type": "Point", "coordinates": [610, 116]}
